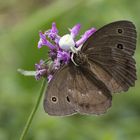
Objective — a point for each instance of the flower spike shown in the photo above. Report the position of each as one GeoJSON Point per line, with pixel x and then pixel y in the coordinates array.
{"type": "Point", "coordinates": [61, 49]}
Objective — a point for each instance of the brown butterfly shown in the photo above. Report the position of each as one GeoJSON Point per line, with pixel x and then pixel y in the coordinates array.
{"type": "Point", "coordinates": [105, 65]}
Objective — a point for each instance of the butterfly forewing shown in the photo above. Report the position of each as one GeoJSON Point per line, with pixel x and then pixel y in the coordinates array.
{"type": "Point", "coordinates": [110, 50]}
{"type": "Point", "coordinates": [121, 34]}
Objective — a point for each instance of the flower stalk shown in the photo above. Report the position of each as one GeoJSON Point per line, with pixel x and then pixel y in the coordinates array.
{"type": "Point", "coordinates": [31, 116]}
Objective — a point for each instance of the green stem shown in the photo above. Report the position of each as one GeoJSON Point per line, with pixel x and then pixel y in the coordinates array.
{"type": "Point", "coordinates": [29, 121]}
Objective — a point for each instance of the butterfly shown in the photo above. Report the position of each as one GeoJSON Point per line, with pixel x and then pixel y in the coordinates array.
{"type": "Point", "coordinates": [104, 66]}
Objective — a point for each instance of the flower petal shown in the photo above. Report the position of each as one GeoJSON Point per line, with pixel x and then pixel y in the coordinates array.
{"type": "Point", "coordinates": [41, 69]}
{"type": "Point", "coordinates": [39, 66]}
{"type": "Point", "coordinates": [44, 42]}
{"type": "Point", "coordinates": [84, 37]}
{"type": "Point", "coordinates": [75, 30]}
{"type": "Point", "coordinates": [40, 74]}
{"type": "Point", "coordinates": [50, 77]}
{"type": "Point", "coordinates": [54, 28]}
{"type": "Point", "coordinates": [53, 33]}
{"type": "Point", "coordinates": [64, 56]}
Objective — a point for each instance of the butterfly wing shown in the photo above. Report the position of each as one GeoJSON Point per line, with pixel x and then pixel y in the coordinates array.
{"type": "Point", "coordinates": [123, 32]}
{"type": "Point", "coordinates": [89, 94]}
{"type": "Point", "coordinates": [110, 51]}
{"type": "Point", "coordinates": [56, 101]}
{"type": "Point", "coordinates": [73, 90]}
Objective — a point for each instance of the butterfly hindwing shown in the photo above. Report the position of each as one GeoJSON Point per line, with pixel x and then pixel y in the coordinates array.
{"type": "Point", "coordinates": [58, 90]}
{"type": "Point", "coordinates": [76, 90]}
{"type": "Point", "coordinates": [89, 94]}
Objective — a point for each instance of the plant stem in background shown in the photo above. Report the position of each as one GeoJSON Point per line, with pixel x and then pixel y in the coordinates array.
{"type": "Point", "coordinates": [29, 121]}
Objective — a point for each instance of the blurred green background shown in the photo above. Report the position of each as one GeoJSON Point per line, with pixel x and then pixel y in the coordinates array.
{"type": "Point", "coordinates": [20, 22]}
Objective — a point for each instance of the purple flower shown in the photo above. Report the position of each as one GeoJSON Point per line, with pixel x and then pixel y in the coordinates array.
{"type": "Point", "coordinates": [53, 54]}
{"type": "Point", "coordinates": [64, 56]}
{"type": "Point", "coordinates": [50, 77]}
{"type": "Point", "coordinates": [61, 49]}
{"type": "Point", "coordinates": [75, 30]}
{"type": "Point", "coordinates": [84, 37]}
{"type": "Point", "coordinates": [56, 64]}
{"type": "Point", "coordinates": [53, 33]}
{"type": "Point", "coordinates": [41, 70]}
{"type": "Point", "coordinates": [44, 42]}
{"type": "Point", "coordinates": [39, 66]}
{"type": "Point", "coordinates": [40, 74]}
